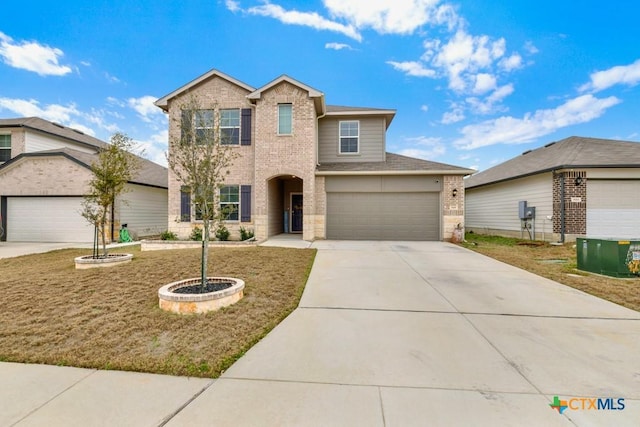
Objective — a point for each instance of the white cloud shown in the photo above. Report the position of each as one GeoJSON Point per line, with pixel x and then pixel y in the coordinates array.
{"type": "Point", "coordinates": [423, 147]}
{"type": "Point", "coordinates": [386, 17]}
{"type": "Point", "coordinates": [511, 63]}
{"type": "Point", "coordinates": [463, 56]}
{"type": "Point", "coordinates": [490, 104]}
{"type": "Point", "coordinates": [308, 19]}
{"type": "Point", "coordinates": [155, 148]}
{"type": "Point", "coordinates": [32, 56]}
{"type": "Point", "coordinates": [31, 108]}
{"type": "Point", "coordinates": [424, 108]}
{"type": "Point", "coordinates": [232, 6]}
{"type": "Point", "coordinates": [510, 130]}
{"type": "Point", "coordinates": [622, 74]}
{"type": "Point", "coordinates": [484, 83]}
{"type": "Point", "coordinates": [530, 48]}
{"type": "Point", "coordinates": [337, 46]}
{"type": "Point", "coordinates": [110, 78]}
{"type": "Point", "coordinates": [82, 128]}
{"type": "Point", "coordinates": [412, 68]}
{"type": "Point", "coordinates": [67, 115]}
{"type": "Point", "coordinates": [144, 107]}
{"type": "Point", "coordinates": [455, 115]}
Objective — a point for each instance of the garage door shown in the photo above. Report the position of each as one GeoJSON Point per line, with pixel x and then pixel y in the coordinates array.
{"type": "Point", "coordinates": [383, 216]}
{"type": "Point", "coordinates": [613, 209]}
{"type": "Point", "coordinates": [47, 219]}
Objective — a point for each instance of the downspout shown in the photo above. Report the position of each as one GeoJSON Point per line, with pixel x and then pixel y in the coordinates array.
{"type": "Point", "coordinates": [318, 136]}
{"type": "Point", "coordinates": [562, 208]}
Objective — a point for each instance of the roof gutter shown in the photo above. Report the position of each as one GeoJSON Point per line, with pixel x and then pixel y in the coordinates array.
{"type": "Point", "coordinates": [391, 172]}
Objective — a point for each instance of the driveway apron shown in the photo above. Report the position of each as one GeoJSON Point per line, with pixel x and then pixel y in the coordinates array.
{"type": "Point", "coordinates": [429, 333]}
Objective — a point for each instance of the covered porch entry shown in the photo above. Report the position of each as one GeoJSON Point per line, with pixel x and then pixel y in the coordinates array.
{"type": "Point", "coordinates": [285, 205]}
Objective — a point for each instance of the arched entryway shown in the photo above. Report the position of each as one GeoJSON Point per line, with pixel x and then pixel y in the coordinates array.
{"type": "Point", "coordinates": [285, 205]}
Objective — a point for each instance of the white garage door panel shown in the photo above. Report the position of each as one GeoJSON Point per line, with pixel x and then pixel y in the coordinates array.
{"type": "Point", "coordinates": [47, 219]}
{"type": "Point", "coordinates": [383, 216]}
{"type": "Point", "coordinates": [613, 209]}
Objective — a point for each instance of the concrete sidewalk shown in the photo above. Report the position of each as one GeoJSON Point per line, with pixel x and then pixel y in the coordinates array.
{"type": "Point", "coordinates": [387, 333]}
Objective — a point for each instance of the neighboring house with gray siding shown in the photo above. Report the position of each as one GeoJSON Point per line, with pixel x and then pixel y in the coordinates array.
{"type": "Point", "coordinates": [579, 186]}
{"type": "Point", "coordinates": [44, 171]}
{"type": "Point", "coordinates": [311, 168]}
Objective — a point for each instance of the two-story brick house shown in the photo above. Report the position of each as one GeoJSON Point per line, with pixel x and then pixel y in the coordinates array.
{"type": "Point", "coordinates": [312, 168]}
{"type": "Point", "coordinates": [44, 171]}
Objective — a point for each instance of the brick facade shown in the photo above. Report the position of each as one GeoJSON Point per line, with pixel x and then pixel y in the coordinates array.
{"type": "Point", "coordinates": [277, 165]}
{"type": "Point", "coordinates": [452, 206]}
{"type": "Point", "coordinates": [575, 202]}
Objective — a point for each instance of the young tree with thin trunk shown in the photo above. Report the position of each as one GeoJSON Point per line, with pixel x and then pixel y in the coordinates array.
{"type": "Point", "coordinates": [201, 158]}
{"type": "Point", "coordinates": [116, 166]}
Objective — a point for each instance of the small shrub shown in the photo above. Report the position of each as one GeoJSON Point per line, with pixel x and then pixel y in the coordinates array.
{"type": "Point", "coordinates": [245, 234]}
{"type": "Point", "coordinates": [196, 234]}
{"type": "Point", "coordinates": [168, 235]}
{"type": "Point", "coordinates": [222, 233]}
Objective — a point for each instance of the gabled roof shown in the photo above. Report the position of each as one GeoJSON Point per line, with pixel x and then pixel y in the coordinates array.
{"type": "Point", "coordinates": [395, 164]}
{"type": "Point", "coordinates": [572, 152]}
{"type": "Point", "coordinates": [343, 111]}
{"type": "Point", "coordinates": [257, 93]}
{"type": "Point", "coordinates": [150, 173]}
{"type": "Point", "coordinates": [316, 95]}
{"type": "Point", "coordinates": [164, 101]}
{"type": "Point", "coordinates": [44, 126]}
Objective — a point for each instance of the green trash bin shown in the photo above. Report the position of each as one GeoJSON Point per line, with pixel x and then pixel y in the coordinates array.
{"type": "Point", "coordinates": [611, 257]}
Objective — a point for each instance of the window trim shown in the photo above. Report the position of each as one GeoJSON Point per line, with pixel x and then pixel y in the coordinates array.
{"type": "Point", "coordinates": [238, 127]}
{"type": "Point", "coordinates": [7, 148]}
{"type": "Point", "coordinates": [237, 204]}
{"type": "Point", "coordinates": [290, 119]}
{"type": "Point", "coordinates": [340, 137]}
{"type": "Point", "coordinates": [195, 123]}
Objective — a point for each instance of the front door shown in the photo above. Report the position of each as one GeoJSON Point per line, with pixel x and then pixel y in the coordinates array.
{"type": "Point", "coordinates": [296, 213]}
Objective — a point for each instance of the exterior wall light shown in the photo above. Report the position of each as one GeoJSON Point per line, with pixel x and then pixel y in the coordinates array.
{"type": "Point", "coordinates": [578, 180]}
{"type": "Point", "coordinates": [454, 193]}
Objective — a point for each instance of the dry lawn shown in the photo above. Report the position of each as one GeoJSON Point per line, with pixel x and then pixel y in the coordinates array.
{"type": "Point", "coordinates": [108, 318]}
{"type": "Point", "coordinates": [625, 292]}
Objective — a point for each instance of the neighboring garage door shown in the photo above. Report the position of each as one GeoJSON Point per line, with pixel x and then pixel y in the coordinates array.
{"type": "Point", "coordinates": [47, 219]}
{"type": "Point", "coordinates": [383, 216]}
{"type": "Point", "coordinates": [613, 208]}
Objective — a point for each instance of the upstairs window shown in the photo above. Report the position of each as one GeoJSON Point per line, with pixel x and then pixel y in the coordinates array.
{"type": "Point", "coordinates": [230, 126]}
{"type": "Point", "coordinates": [349, 137]}
{"type": "Point", "coordinates": [285, 119]}
{"type": "Point", "coordinates": [203, 121]}
{"type": "Point", "coordinates": [5, 148]}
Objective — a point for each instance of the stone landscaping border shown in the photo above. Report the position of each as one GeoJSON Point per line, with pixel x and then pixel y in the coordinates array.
{"type": "Point", "coordinates": [199, 303]}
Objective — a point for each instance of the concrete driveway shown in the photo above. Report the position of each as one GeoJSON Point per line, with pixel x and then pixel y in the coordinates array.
{"type": "Point", "coordinates": [387, 334]}
{"type": "Point", "coordinates": [428, 333]}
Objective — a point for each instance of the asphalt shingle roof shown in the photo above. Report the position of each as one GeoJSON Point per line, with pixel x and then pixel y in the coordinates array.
{"type": "Point", "coordinates": [150, 173]}
{"type": "Point", "coordinates": [394, 163]}
{"type": "Point", "coordinates": [572, 152]}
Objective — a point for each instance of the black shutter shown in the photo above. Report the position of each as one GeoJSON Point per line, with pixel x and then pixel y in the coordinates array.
{"type": "Point", "coordinates": [245, 203]}
{"type": "Point", "coordinates": [245, 126]}
{"type": "Point", "coordinates": [185, 126]}
{"type": "Point", "coordinates": [185, 204]}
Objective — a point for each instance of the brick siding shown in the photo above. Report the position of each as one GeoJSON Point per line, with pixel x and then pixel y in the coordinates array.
{"type": "Point", "coordinates": [575, 212]}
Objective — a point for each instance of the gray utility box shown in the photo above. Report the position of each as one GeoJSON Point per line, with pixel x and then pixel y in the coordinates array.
{"type": "Point", "coordinates": [526, 212]}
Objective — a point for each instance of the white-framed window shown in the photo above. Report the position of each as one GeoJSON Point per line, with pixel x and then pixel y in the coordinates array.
{"type": "Point", "coordinates": [203, 125]}
{"type": "Point", "coordinates": [230, 126]}
{"type": "Point", "coordinates": [230, 202]}
{"type": "Point", "coordinates": [349, 137]}
{"type": "Point", "coordinates": [5, 147]}
{"type": "Point", "coordinates": [285, 119]}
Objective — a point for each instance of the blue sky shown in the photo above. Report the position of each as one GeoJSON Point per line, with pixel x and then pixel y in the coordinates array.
{"type": "Point", "coordinates": [474, 82]}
